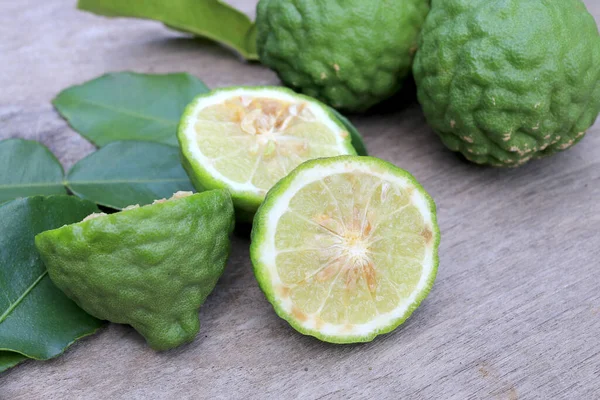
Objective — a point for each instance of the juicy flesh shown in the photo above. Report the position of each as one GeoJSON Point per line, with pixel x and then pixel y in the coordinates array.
{"type": "Point", "coordinates": [349, 248]}
{"type": "Point", "coordinates": [259, 140]}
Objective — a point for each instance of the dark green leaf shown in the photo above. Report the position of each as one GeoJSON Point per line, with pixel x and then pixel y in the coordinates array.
{"type": "Point", "coordinates": [212, 19]}
{"type": "Point", "coordinates": [28, 168]}
{"type": "Point", "coordinates": [9, 359]}
{"type": "Point", "coordinates": [36, 318]}
{"type": "Point", "coordinates": [129, 106]}
{"type": "Point", "coordinates": [129, 172]}
{"type": "Point", "coordinates": [357, 140]}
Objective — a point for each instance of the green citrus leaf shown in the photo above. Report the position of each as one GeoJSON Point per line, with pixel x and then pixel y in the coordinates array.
{"type": "Point", "coordinates": [36, 318]}
{"type": "Point", "coordinates": [357, 140]}
{"type": "Point", "coordinates": [212, 19]}
{"type": "Point", "coordinates": [129, 106]}
{"type": "Point", "coordinates": [129, 172]}
{"type": "Point", "coordinates": [28, 168]}
{"type": "Point", "coordinates": [9, 359]}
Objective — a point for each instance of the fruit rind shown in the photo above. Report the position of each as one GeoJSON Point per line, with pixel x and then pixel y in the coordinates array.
{"type": "Point", "coordinates": [246, 200]}
{"type": "Point", "coordinates": [150, 267]}
{"type": "Point", "coordinates": [259, 245]}
{"type": "Point", "coordinates": [505, 82]}
{"type": "Point", "coordinates": [333, 50]}
{"type": "Point", "coordinates": [357, 140]}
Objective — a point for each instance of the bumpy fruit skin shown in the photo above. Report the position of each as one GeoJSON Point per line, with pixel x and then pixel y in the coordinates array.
{"type": "Point", "coordinates": [150, 267]}
{"type": "Point", "coordinates": [350, 54]}
{"type": "Point", "coordinates": [505, 81]}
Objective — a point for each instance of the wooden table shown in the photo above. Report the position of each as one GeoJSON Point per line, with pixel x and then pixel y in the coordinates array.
{"type": "Point", "coordinates": [514, 313]}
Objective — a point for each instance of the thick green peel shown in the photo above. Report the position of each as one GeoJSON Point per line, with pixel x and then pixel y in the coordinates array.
{"type": "Point", "coordinates": [150, 267]}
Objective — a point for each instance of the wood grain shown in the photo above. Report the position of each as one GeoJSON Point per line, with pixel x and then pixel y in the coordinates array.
{"type": "Point", "coordinates": [514, 313]}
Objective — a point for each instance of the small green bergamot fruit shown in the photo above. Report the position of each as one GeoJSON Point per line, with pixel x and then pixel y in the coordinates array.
{"type": "Point", "coordinates": [150, 267]}
{"type": "Point", "coordinates": [350, 54]}
{"type": "Point", "coordinates": [346, 248]}
{"type": "Point", "coordinates": [506, 81]}
{"type": "Point", "coordinates": [245, 139]}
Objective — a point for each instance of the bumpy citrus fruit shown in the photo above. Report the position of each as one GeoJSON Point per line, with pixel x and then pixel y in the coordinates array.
{"type": "Point", "coordinates": [245, 139]}
{"type": "Point", "coordinates": [505, 81]}
{"type": "Point", "coordinates": [345, 248]}
{"type": "Point", "coordinates": [150, 267]}
{"type": "Point", "coordinates": [350, 54]}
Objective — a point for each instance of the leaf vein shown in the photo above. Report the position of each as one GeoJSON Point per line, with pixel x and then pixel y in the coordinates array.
{"type": "Point", "coordinates": [20, 299]}
{"type": "Point", "coordinates": [128, 112]}
{"type": "Point", "coordinates": [109, 182]}
{"type": "Point", "coordinates": [36, 184]}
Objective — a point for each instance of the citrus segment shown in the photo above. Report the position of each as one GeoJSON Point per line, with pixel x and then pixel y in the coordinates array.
{"type": "Point", "coordinates": [246, 139]}
{"type": "Point", "coordinates": [345, 248]}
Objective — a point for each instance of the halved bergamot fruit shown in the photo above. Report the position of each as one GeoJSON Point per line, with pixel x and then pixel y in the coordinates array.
{"type": "Point", "coordinates": [345, 248]}
{"type": "Point", "coordinates": [150, 267]}
{"type": "Point", "coordinates": [245, 139]}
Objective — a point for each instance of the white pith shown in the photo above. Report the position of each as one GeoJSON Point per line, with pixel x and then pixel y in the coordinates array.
{"type": "Point", "coordinates": [177, 195]}
{"type": "Point", "coordinates": [191, 143]}
{"type": "Point", "coordinates": [268, 251]}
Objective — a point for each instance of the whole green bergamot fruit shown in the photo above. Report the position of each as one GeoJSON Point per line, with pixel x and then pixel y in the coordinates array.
{"type": "Point", "coordinates": [150, 267]}
{"type": "Point", "coordinates": [350, 54]}
{"type": "Point", "coordinates": [505, 81]}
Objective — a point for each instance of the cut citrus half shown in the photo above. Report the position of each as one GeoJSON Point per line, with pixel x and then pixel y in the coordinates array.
{"type": "Point", "coordinates": [345, 248]}
{"type": "Point", "coordinates": [245, 139]}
